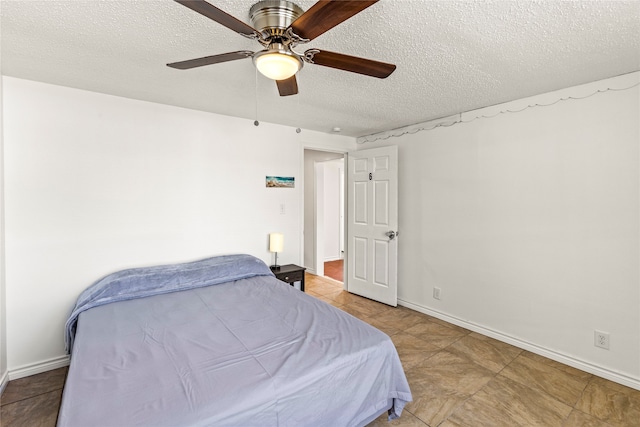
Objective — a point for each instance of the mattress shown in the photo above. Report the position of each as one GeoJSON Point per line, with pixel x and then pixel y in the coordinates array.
{"type": "Point", "coordinates": [248, 352]}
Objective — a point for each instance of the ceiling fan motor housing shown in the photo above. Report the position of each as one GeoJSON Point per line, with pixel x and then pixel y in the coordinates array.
{"type": "Point", "coordinates": [273, 17]}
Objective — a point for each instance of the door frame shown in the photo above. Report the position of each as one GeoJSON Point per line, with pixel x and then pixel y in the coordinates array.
{"type": "Point", "coordinates": [318, 218]}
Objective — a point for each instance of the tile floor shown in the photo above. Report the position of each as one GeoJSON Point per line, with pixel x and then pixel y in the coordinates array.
{"type": "Point", "coordinates": [32, 401]}
{"type": "Point", "coordinates": [461, 378]}
{"type": "Point", "coordinates": [457, 377]}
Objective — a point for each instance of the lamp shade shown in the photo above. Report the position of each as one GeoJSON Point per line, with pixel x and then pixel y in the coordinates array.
{"type": "Point", "coordinates": [276, 242]}
{"type": "Point", "coordinates": [277, 64]}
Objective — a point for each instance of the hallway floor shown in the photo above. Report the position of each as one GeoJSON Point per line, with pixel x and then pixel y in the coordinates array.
{"type": "Point", "coordinates": [334, 269]}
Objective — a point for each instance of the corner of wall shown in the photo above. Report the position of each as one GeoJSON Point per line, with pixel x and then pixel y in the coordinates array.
{"type": "Point", "coordinates": [3, 329]}
{"type": "Point", "coordinates": [38, 367]}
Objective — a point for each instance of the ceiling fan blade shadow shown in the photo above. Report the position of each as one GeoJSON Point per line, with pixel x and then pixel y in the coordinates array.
{"type": "Point", "coordinates": [221, 17]}
{"type": "Point", "coordinates": [209, 60]}
{"type": "Point", "coordinates": [326, 14]}
{"type": "Point", "coordinates": [288, 86]}
{"type": "Point", "coordinates": [353, 64]}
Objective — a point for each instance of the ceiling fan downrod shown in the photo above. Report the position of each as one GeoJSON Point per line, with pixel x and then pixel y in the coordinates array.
{"type": "Point", "coordinates": [273, 18]}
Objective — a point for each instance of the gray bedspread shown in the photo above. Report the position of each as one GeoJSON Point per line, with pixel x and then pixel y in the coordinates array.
{"type": "Point", "coordinates": [249, 352]}
{"type": "Point", "coordinates": [161, 279]}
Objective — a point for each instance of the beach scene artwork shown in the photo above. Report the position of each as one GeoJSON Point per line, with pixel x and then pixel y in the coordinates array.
{"type": "Point", "coordinates": [280, 181]}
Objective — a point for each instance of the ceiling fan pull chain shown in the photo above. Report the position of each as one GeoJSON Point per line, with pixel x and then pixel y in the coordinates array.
{"type": "Point", "coordinates": [256, 122]}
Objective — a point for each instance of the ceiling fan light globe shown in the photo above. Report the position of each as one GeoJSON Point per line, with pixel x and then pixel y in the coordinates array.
{"type": "Point", "coordinates": [277, 66]}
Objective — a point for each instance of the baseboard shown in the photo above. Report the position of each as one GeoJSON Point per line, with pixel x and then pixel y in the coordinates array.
{"type": "Point", "coordinates": [4, 380]}
{"type": "Point", "coordinates": [616, 377]}
{"type": "Point", "coordinates": [38, 368]}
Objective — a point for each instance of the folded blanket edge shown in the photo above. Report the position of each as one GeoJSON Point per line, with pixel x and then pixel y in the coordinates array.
{"type": "Point", "coordinates": [209, 271]}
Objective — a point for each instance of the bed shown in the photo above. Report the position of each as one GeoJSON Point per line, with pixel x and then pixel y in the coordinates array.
{"type": "Point", "coordinates": [222, 342]}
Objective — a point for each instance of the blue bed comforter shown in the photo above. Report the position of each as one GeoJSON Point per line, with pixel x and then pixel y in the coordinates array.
{"type": "Point", "coordinates": [249, 351]}
{"type": "Point", "coordinates": [148, 281]}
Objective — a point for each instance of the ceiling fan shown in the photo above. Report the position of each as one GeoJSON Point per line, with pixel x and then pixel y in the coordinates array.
{"type": "Point", "coordinates": [281, 26]}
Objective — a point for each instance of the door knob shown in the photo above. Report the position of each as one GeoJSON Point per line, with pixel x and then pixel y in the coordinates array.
{"type": "Point", "coordinates": [392, 234]}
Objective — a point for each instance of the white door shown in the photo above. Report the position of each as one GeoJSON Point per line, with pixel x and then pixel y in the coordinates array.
{"type": "Point", "coordinates": [372, 224]}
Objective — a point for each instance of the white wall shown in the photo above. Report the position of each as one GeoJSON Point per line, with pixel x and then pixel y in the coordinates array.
{"type": "Point", "coordinates": [96, 183]}
{"type": "Point", "coordinates": [332, 209]}
{"type": "Point", "coordinates": [529, 222]}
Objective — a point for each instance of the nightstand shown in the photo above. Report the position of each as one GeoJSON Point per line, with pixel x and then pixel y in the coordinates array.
{"type": "Point", "coordinates": [290, 273]}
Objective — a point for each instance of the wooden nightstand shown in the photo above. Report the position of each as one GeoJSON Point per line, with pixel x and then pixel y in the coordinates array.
{"type": "Point", "coordinates": [290, 273]}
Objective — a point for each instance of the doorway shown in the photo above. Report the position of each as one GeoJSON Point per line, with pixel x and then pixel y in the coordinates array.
{"type": "Point", "coordinates": [322, 218]}
{"type": "Point", "coordinates": [332, 226]}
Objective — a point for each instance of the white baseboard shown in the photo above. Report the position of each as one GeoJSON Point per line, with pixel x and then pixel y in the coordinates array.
{"type": "Point", "coordinates": [608, 374]}
{"type": "Point", "coordinates": [4, 379]}
{"type": "Point", "coordinates": [38, 368]}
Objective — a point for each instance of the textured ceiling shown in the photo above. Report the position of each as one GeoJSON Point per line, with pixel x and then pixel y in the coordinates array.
{"type": "Point", "coordinates": [452, 56]}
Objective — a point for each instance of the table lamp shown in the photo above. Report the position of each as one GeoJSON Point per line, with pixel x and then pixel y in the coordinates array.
{"type": "Point", "coordinates": [276, 244]}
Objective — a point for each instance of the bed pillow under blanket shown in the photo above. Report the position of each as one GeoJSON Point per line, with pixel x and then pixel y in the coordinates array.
{"type": "Point", "coordinates": [148, 281]}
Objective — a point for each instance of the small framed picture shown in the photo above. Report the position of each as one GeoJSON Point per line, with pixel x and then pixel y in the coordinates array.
{"type": "Point", "coordinates": [281, 182]}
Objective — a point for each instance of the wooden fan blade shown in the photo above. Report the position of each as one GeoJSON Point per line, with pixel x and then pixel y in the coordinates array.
{"type": "Point", "coordinates": [368, 67]}
{"type": "Point", "coordinates": [218, 15]}
{"type": "Point", "coordinates": [288, 87]}
{"type": "Point", "coordinates": [208, 60]}
{"type": "Point", "coordinates": [326, 14]}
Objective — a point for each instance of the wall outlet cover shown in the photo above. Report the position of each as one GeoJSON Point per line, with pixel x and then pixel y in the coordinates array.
{"type": "Point", "coordinates": [601, 339]}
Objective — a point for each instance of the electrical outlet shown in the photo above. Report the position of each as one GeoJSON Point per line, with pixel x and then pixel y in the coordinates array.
{"type": "Point", "coordinates": [436, 293]}
{"type": "Point", "coordinates": [601, 339]}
